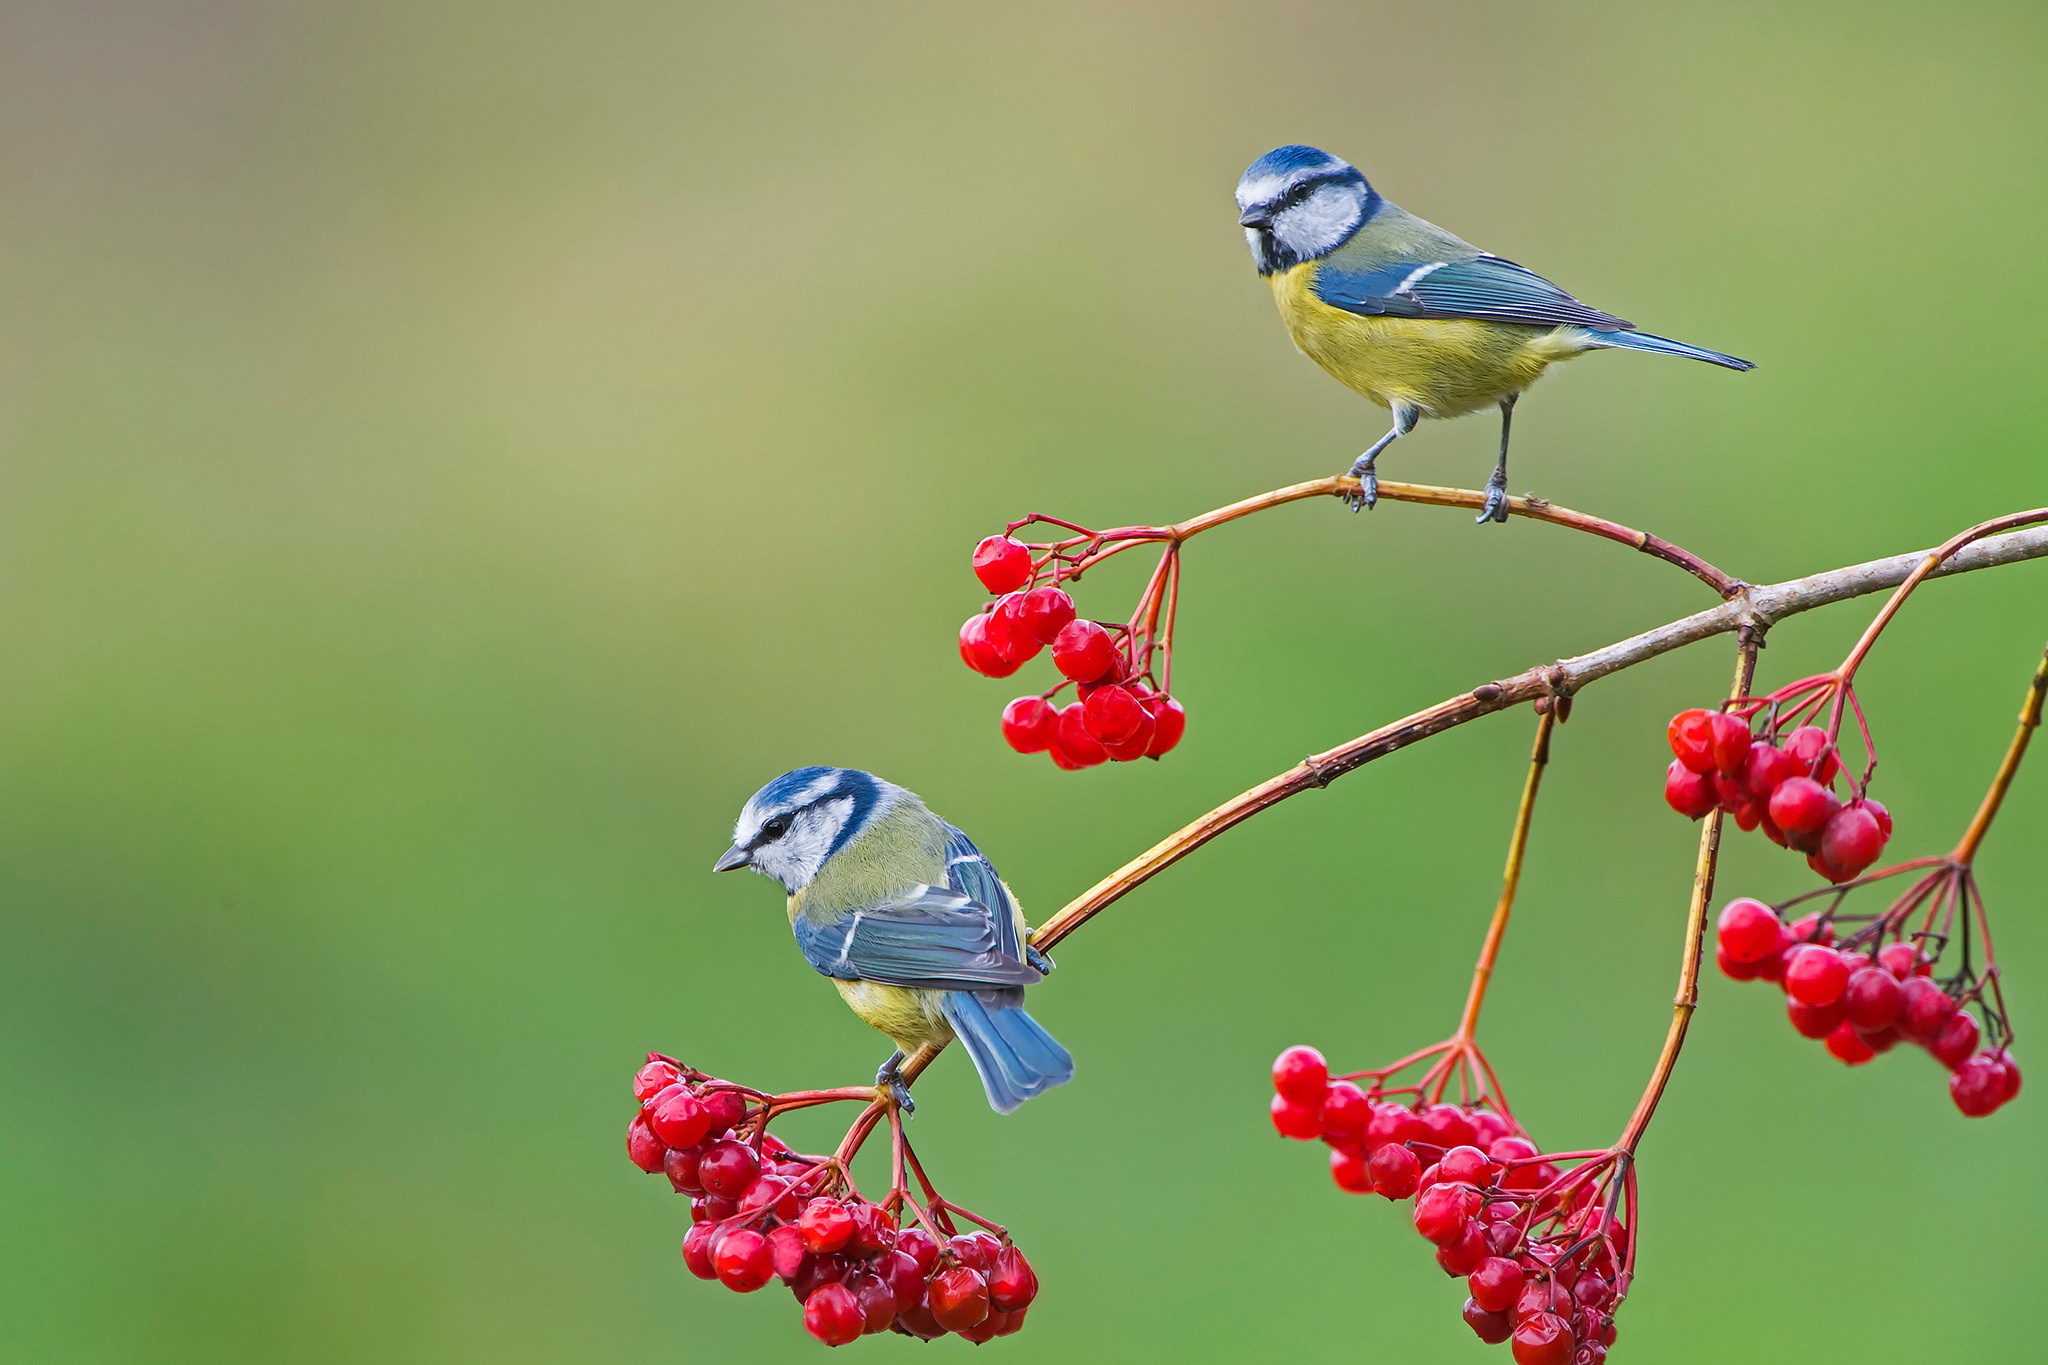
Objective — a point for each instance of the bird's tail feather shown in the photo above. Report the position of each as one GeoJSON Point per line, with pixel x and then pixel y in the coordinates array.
{"type": "Point", "coordinates": [1644, 341]}
{"type": "Point", "coordinates": [1015, 1056]}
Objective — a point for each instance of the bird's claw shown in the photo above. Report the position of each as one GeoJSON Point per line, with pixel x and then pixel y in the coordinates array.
{"type": "Point", "coordinates": [1037, 961]}
{"type": "Point", "coordinates": [888, 1079]}
{"type": "Point", "coordinates": [1496, 508]}
{"type": "Point", "coordinates": [1368, 494]}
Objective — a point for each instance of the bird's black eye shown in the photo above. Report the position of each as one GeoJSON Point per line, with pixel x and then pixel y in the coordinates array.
{"type": "Point", "coordinates": [775, 829]}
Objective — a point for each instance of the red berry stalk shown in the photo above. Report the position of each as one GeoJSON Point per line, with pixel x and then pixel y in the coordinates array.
{"type": "Point", "coordinates": [762, 1212]}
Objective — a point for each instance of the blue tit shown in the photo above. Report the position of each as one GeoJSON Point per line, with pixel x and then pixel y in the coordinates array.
{"type": "Point", "coordinates": [1420, 322]}
{"type": "Point", "coordinates": [911, 922]}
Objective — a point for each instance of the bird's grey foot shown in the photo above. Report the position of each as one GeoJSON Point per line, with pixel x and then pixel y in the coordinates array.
{"type": "Point", "coordinates": [1496, 508]}
{"type": "Point", "coordinates": [1037, 961]}
{"type": "Point", "coordinates": [1368, 493]}
{"type": "Point", "coordinates": [888, 1078]}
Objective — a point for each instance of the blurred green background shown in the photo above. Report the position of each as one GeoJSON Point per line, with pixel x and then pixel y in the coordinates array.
{"type": "Point", "coordinates": [453, 453]}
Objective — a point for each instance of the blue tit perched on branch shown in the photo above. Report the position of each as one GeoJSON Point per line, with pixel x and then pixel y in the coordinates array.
{"type": "Point", "coordinates": [910, 921]}
{"type": "Point", "coordinates": [1420, 322]}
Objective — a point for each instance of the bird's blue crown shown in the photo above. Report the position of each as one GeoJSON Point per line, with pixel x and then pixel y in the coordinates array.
{"type": "Point", "coordinates": [801, 788]}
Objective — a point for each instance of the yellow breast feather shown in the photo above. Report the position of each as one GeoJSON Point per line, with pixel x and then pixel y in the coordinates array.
{"type": "Point", "coordinates": [1443, 366]}
{"type": "Point", "coordinates": [910, 1018]}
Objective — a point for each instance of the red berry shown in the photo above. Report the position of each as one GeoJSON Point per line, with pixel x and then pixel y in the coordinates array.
{"type": "Point", "coordinates": [1302, 1122]}
{"type": "Point", "coordinates": [1691, 734]}
{"type": "Point", "coordinates": [1487, 1128]}
{"type": "Point", "coordinates": [681, 1120]}
{"type": "Point", "coordinates": [1733, 970]}
{"type": "Point", "coordinates": [1030, 725]}
{"type": "Point", "coordinates": [1392, 1122]}
{"type": "Point", "coordinates": [1851, 840]}
{"type": "Point", "coordinates": [921, 1247]}
{"type": "Point", "coordinates": [1138, 745]}
{"type": "Point", "coordinates": [1441, 1212]}
{"type": "Point", "coordinates": [1848, 1047]}
{"type": "Point", "coordinates": [680, 1166]}
{"type": "Point", "coordinates": [1073, 746]}
{"type": "Point", "coordinates": [1447, 1126]}
{"type": "Point", "coordinates": [771, 1192]}
{"type": "Point", "coordinates": [1872, 999]}
{"type": "Point", "coordinates": [742, 1261]}
{"type": "Point", "coordinates": [652, 1079]}
{"type": "Point", "coordinates": [712, 1208]}
{"type": "Point", "coordinates": [1543, 1339]}
{"type": "Point", "coordinates": [786, 1252]}
{"type": "Point", "coordinates": [1346, 1113]}
{"type": "Point", "coordinates": [1979, 1085]}
{"type": "Point", "coordinates": [1689, 793]}
{"type": "Point", "coordinates": [728, 1168]}
{"type": "Point", "coordinates": [727, 1108]}
{"type": "Point", "coordinates": [2012, 1073]}
{"type": "Point", "coordinates": [901, 1272]}
{"type": "Point", "coordinates": [1463, 1255]}
{"type": "Point", "coordinates": [1083, 651]}
{"type": "Point", "coordinates": [1045, 611]}
{"type": "Point", "coordinates": [1956, 1041]}
{"type": "Point", "coordinates": [1112, 714]}
{"type": "Point", "coordinates": [874, 1229]}
{"type": "Point", "coordinates": [958, 1298]}
{"type": "Point", "coordinates": [1878, 813]}
{"type": "Point", "coordinates": [1012, 1283]}
{"type": "Point", "coordinates": [1810, 743]}
{"type": "Point", "coordinates": [1926, 1011]}
{"type": "Point", "coordinates": [1814, 1021]}
{"type": "Point", "coordinates": [1395, 1171]}
{"type": "Point", "coordinates": [1767, 766]}
{"type": "Point", "coordinates": [1002, 564]}
{"type": "Point", "coordinates": [1493, 1328]}
{"type": "Point", "coordinates": [1007, 633]}
{"type": "Point", "coordinates": [1900, 959]}
{"type": "Point", "coordinates": [1348, 1168]}
{"type": "Point", "coordinates": [1301, 1075]}
{"type": "Point", "coordinates": [698, 1244]}
{"type": "Point", "coordinates": [1728, 742]}
{"type": "Point", "coordinates": [1169, 723]}
{"type": "Point", "coordinates": [979, 652]}
{"type": "Point", "coordinates": [832, 1315]}
{"type": "Point", "coordinates": [643, 1147]}
{"type": "Point", "coordinates": [1749, 930]}
{"type": "Point", "coordinates": [1815, 975]}
{"type": "Point", "coordinates": [876, 1299]}
{"type": "Point", "coordinates": [917, 1320]}
{"type": "Point", "coordinates": [1801, 805]}
{"type": "Point", "coordinates": [1466, 1166]}
{"type": "Point", "coordinates": [826, 1224]}
{"type": "Point", "coordinates": [1495, 1284]}
{"type": "Point", "coordinates": [1511, 1148]}
{"type": "Point", "coordinates": [976, 1249]}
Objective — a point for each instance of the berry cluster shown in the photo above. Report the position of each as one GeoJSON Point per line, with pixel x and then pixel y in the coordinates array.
{"type": "Point", "coordinates": [1545, 1259]}
{"type": "Point", "coordinates": [1783, 784]}
{"type": "Point", "coordinates": [762, 1212]}
{"type": "Point", "coordinates": [1865, 995]}
{"type": "Point", "coordinates": [1121, 709]}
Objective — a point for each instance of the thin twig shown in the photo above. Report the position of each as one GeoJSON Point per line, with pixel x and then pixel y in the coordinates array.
{"type": "Point", "coordinates": [1695, 936]}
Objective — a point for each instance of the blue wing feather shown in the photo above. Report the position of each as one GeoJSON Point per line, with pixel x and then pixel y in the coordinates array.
{"type": "Point", "coordinates": [973, 876]}
{"type": "Point", "coordinates": [932, 938]}
{"type": "Point", "coordinates": [1484, 288]}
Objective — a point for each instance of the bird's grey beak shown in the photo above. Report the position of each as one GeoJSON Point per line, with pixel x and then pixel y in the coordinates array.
{"type": "Point", "coordinates": [732, 858]}
{"type": "Point", "coordinates": [1255, 218]}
